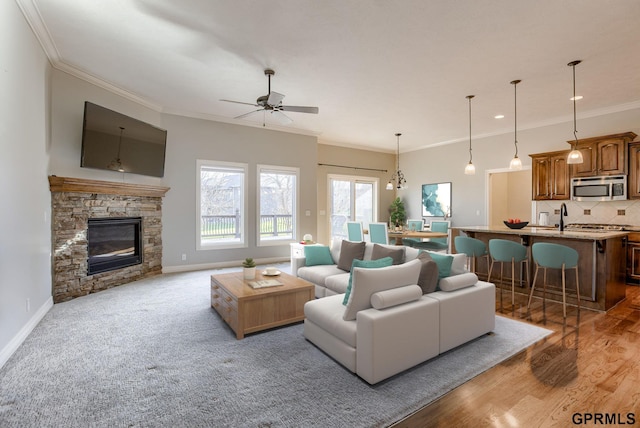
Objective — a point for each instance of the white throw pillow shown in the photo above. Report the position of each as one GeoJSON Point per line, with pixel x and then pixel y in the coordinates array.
{"type": "Point", "coordinates": [365, 282]}
{"type": "Point", "coordinates": [456, 282]}
{"type": "Point", "coordinates": [396, 296]}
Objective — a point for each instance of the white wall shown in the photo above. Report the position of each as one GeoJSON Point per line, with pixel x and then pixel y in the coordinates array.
{"type": "Point", "coordinates": [446, 163]}
{"type": "Point", "coordinates": [25, 229]}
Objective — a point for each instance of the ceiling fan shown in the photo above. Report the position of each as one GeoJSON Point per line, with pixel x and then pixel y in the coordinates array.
{"type": "Point", "coordinates": [273, 103]}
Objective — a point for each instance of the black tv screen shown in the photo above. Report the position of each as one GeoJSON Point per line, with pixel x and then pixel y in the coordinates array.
{"type": "Point", "coordinates": [116, 142]}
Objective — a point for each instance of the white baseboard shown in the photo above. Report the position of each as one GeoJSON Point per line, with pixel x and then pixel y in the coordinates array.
{"type": "Point", "coordinates": [220, 265]}
{"type": "Point", "coordinates": [24, 332]}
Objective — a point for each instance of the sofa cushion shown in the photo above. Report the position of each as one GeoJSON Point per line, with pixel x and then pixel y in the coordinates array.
{"type": "Point", "coordinates": [365, 282]}
{"type": "Point", "coordinates": [380, 251]}
{"type": "Point", "coordinates": [369, 264]}
{"type": "Point", "coordinates": [338, 283]}
{"type": "Point", "coordinates": [395, 296]}
{"type": "Point", "coordinates": [327, 314]}
{"type": "Point", "coordinates": [317, 255]}
{"type": "Point", "coordinates": [349, 251]}
{"type": "Point", "coordinates": [428, 279]}
{"type": "Point", "coordinates": [410, 253]}
{"type": "Point", "coordinates": [318, 274]}
{"type": "Point", "coordinates": [444, 264]}
{"type": "Point", "coordinates": [336, 243]}
{"type": "Point", "coordinates": [456, 282]}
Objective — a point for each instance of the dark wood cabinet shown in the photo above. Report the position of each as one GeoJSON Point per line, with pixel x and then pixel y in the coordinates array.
{"type": "Point", "coordinates": [606, 155]}
{"type": "Point", "coordinates": [550, 176]}
{"type": "Point", "coordinates": [633, 258]}
{"type": "Point", "coordinates": [633, 183]}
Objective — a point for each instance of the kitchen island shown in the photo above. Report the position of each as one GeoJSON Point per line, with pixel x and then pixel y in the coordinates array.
{"type": "Point", "coordinates": [601, 265]}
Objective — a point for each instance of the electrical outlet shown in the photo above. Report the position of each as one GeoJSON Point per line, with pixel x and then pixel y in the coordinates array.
{"type": "Point", "coordinates": [184, 257]}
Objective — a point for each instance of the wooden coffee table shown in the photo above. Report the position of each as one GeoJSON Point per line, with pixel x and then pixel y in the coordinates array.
{"type": "Point", "coordinates": [247, 310]}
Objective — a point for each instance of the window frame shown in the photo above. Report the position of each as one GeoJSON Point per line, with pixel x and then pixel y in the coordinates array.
{"type": "Point", "coordinates": [260, 168]}
{"type": "Point", "coordinates": [244, 168]}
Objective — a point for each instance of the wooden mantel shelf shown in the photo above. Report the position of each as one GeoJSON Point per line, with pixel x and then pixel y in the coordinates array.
{"type": "Point", "coordinates": [81, 185]}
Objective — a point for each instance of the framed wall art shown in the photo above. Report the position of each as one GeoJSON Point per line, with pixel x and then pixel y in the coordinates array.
{"type": "Point", "coordinates": [436, 200]}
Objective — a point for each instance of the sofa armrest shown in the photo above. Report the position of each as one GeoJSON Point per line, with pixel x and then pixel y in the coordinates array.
{"type": "Point", "coordinates": [394, 339]}
{"type": "Point", "coordinates": [297, 263]}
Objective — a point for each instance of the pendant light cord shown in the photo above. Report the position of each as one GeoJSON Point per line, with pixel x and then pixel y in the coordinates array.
{"type": "Point", "coordinates": [470, 155]}
{"type": "Point", "coordinates": [575, 129]}
{"type": "Point", "coordinates": [515, 115]}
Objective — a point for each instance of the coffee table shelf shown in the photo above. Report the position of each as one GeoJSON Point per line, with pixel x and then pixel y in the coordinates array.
{"type": "Point", "coordinates": [248, 310]}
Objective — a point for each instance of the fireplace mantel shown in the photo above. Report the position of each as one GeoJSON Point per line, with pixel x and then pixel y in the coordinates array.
{"type": "Point", "coordinates": [81, 185]}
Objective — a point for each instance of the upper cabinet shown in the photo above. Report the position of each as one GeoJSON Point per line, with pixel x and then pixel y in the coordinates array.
{"type": "Point", "coordinates": [550, 176]}
{"type": "Point", "coordinates": [633, 183]}
{"type": "Point", "coordinates": [606, 155]}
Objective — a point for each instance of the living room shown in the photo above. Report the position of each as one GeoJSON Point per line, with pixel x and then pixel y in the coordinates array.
{"type": "Point", "coordinates": [41, 128]}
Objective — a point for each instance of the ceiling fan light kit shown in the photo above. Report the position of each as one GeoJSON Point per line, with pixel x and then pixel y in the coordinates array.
{"type": "Point", "coordinates": [575, 155]}
{"type": "Point", "coordinates": [272, 103]}
{"type": "Point", "coordinates": [516, 163]}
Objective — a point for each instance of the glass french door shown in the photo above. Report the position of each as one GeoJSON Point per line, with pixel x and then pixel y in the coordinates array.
{"type": "Point", "coordinates": [351, 199]}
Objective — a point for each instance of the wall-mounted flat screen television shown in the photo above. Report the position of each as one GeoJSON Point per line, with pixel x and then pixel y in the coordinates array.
{"type": "Point", "coordinates": [116, 142]}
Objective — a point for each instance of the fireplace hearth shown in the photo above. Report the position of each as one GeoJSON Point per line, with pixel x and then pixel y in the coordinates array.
{"type": "Point", "coordinates": [113, 243]}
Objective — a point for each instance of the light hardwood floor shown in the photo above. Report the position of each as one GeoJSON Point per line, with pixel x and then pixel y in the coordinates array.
{"type": "Point", "coordinates": [591, 363]}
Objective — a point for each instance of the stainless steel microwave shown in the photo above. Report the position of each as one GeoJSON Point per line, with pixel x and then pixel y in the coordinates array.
{"type": "Point", "coordinates": [601, 188]}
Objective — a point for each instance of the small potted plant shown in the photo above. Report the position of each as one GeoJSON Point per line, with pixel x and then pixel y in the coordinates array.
{"type": "Point", "coordinates": [249, 268]}
{"type": "Point", "coordinates": [398, 214]}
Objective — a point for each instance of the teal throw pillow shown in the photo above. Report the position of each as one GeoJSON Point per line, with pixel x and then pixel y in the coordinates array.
{"type": "Point", "coordinates": [317, 255]}
{"type": "Point", "coordinates": [444, 264]}
{"type": "Point", "coordinates": [369, 264]}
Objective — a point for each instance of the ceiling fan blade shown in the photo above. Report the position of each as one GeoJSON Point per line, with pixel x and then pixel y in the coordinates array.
{"type": "Point", "coordinates": [300, 109]}
{"type": "Point", "coordinates": [282, 118]}
{"type": "Point", "coordinates": [242, 116]}
{"type": "Point", "coordinates": [274, 98]}
{"type": "Point", "coordinates": [240, 102]}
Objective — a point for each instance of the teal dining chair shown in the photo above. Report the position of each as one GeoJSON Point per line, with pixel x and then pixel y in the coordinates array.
{"type": "Point", "coordinates": [436, 244]}
{"type": "Point", "coordinates": [354, 231]}
{"type": "Point", "coordinates": [413, 225]}
{"type": "Point", "coordinates": [554, 256]}
{"type": "Point", "coordinates": [504, 251]}
{"type": "Point", "coordinates": [378, 233]}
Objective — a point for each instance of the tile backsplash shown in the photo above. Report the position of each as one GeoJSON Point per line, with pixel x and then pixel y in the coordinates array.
{"type": "Point", "coordinates": [616, 212]}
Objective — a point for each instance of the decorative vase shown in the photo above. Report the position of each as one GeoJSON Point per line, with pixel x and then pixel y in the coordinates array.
{"type": "Point", "coordinates": [249, 273]}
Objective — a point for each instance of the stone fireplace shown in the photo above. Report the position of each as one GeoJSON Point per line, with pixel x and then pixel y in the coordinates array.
{"type": "Point", "coordinates": [126, 233]}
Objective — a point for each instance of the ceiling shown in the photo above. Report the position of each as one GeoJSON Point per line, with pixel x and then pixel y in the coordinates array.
{"type": "Point", "coordinates": [374, 68]}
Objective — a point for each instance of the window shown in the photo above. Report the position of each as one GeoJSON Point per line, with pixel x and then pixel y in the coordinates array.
{"type": "Point", "coordinates": [351, 199]}
{"type": "Point", "coordinates": [277, 204]}
{"type": "Point", "coordinates": [221, 201]}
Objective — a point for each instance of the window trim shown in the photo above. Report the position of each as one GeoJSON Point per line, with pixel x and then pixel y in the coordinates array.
{"type": "Point", "coordinates": [245, 198]}
{"type": "Point", "coordinates": [353, 179]}
{"type": "Point", "coordinates": [260, 168]}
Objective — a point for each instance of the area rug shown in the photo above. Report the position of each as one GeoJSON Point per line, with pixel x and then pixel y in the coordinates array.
{"type": "Point", "coordinates": [153, 354]}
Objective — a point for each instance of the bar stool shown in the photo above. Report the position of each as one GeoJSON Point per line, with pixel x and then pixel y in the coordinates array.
{"type": "Point", "coordinates": [554, 256]}
{"type": "Point", "coordinates": [502, 250]}
{"type": "Point", "coordinates": [473, 248]}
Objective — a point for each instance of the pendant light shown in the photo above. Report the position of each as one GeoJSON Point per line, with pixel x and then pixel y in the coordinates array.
{"type": "Point", "coordinates": [398, 176]}
{"type": "Point", "coordinates": [575, 155]}
{"type": "Point", "coordinates": [470, 169]}
{"type": "Point", "coordinates": [516, 163]}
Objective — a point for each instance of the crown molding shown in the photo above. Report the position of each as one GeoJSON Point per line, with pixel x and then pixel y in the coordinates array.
{"type": "Point", "coordinates": [34, 19]}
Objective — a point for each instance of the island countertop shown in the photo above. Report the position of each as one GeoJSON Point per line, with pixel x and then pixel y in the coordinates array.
{"type": "Point", "coordinates": [547, 232]}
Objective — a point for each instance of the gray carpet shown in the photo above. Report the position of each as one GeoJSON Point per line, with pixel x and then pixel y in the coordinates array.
{"type": "Point", "coordinates": [154, 354]}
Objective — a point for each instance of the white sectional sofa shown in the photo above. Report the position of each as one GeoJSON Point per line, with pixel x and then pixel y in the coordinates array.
{"type": "Point", "coordinates": [388, 324]}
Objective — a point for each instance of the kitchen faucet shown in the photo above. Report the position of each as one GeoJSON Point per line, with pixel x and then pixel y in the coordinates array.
{"type": "Point", "coordinates": [563, 212]}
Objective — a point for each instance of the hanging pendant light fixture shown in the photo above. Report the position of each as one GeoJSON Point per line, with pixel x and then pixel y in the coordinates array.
{"type": "Point", "coordinates": [116, 164]}
{"type": "Point", "coordinates": [516, 163]}
{"type": "Point", "coordinates": [470, 169]}
{"type": "Point", "coordinates": [575, 155]}
{"type": "Point", "coordinates": [398, 176]}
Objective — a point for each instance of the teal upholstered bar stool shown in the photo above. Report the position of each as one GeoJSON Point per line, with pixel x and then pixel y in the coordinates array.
{"type": "Point", "coordinates": [554, 256]}
{"type": "Point", "coordinates": [354, 231]}
{"type": "Point", "coordinates": [473, 248]}
{"type": "Point", "coordinates": [502, 250]}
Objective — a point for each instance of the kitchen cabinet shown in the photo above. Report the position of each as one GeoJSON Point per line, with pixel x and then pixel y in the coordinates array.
{"type": "Point", "coordinates": [605, 155]}
{"type": "Point", "coordinates": [633, 182]}
{"type": "Point", "coordinates": [633, 258]}
{"type": "Point", "coordinates": [550, 176]}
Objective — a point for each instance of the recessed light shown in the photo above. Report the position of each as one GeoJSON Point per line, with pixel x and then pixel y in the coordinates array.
{"type": "Point", "coordinates": [577, 97]}
{"type": "Point", "coordinates": [499, 116]}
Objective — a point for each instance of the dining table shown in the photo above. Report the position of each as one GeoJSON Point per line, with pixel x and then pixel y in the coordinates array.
{"type": "Point", "coordinates": [422, 234]}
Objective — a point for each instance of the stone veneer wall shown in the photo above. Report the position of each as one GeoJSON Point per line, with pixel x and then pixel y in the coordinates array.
{"type": "Point", "coordinates": [70, 213]}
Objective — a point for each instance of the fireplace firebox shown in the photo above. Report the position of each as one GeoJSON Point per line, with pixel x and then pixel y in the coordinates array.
{"type": "Point", "coordinates": [113, 243]}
